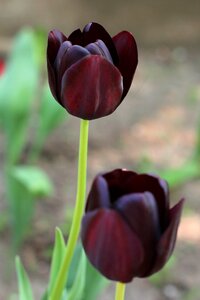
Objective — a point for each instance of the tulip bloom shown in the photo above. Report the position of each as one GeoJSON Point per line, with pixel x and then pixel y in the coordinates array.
{"type": "Point", "coordinates": [129, 230]}
{"type": "Point", "coordinates": [89, 72]}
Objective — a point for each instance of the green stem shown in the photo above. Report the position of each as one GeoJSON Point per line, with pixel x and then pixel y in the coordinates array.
{"type": "Point", "coordinates": [120, 291]}
{"type": "Point", "coordinates": [78, 213]}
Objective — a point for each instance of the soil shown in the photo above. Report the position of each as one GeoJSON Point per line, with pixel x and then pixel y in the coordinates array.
{"type": "Point", "coordinates": [155, 125]}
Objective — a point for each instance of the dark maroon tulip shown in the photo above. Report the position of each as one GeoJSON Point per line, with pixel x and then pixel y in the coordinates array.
{"type": "Point", "coordinates": [129, 230]}
{"type": "Point", "coordinates": [89, 72]}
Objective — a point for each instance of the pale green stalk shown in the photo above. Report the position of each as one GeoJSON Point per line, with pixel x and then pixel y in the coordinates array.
{"type": "Point", "coordinates": [120, 291]}
{"type": "Point", "coordinates": [78, 213]}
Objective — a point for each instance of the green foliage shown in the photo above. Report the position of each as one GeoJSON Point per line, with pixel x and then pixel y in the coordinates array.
{"type": "Point", "coordinates": [161, 277]}
{"type": "Point", "coordinates": [177, 176]}
{"type": "Point", "coordinates": [24, 102]}
{"type": "Point", "coordinates": [50, 115]}
{"type": "Point", "coordinates": [92, 280]}
{"type": "Point", "coordinates": [94, 284]}
{"type": "Point", "coordinates": [18, 89]}
{"type": "Point", "coordinates": [25, 290]}
{"type": "Point", "coordinates": [3, 221]}
{"type": "Point", "coordinates": [78, 288]}
{"type": "Point", "coordinates": [57, 258]}
{"type": "Point", "coordinates": [32, 179]}
{"type": "Point", "coordinates": [24, 184]}
{"type": "Point", "coordinates": [84, 282]}
{"type": "Point", "coordinates": [40, 44]}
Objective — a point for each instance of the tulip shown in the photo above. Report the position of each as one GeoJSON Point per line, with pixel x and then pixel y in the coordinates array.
{"type": "Point", "coordinates": [89, 72]}
{"type": "Point", "coordinates": [128, 229]}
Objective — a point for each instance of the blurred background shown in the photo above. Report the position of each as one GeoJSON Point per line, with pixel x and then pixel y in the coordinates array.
{"type": "Point", "coordinates": [155, 129]}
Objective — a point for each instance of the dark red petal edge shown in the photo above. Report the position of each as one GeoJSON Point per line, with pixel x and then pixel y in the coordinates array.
{"type": "Point", "coordinates": [168, 239]}
{"type": "Point", "coordinates": [55, 39]}
{"type": "Point", "coordinates": [99, 195]}
{"type": "Point", "coordinates": [159, 188]}
{"type": "Point", "coordinates": [128, 57]}
{"type": "Point", "coordinates": [52, 81]}
{"type": "Point", "coordinates": [141, 213]}
{"type": "Point", "coordinates": [110, 245]}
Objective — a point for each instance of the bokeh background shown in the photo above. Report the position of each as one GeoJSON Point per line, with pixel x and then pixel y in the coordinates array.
{"type": "Point", "coordinates": [155, 128]}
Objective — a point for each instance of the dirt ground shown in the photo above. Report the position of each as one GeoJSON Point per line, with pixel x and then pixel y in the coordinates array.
{"type": "Point", "coordinates": [155, 124]}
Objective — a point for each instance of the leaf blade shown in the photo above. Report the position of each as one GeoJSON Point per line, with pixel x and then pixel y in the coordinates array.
{"type": "Point", "coordinates": [25, 290]}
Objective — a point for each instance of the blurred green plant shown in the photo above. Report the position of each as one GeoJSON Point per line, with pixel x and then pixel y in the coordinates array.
{"type": "Point", "coordinates": [25, 100]}
{"type": "Point", "coordinates": [160, 278]}
{"type": "Point", "coordinates": [24, 286]}
{"type": "Point", "coordinates": [84, 281]}
{"type": "Point", "coordinates": [175, 176]}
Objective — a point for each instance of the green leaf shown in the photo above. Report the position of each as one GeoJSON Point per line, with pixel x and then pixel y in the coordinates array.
{"type": "Point", "coordinates": [21, 206]}
{"type": "Point", "coordinates": [18, 89]}
{"type": "Point", "coordinates": [25, 290]}
{"type": "Point", "coordinates": [40, 43]}
{"type": "Point", "coordinates": [51, 113]}
{"type": "Point", "coordinates": [45, 296]}
{"type": "Point", "coordinates": [33, 179]}
{"type": "Point", "coordinates": [178, 176]}
{"type": "Point", "coordinates": [159, 278]}
{"type": "Point", "coordinates": [24, 184]}
{"type": "Point", "coordinates": [4, 220]}
{"type": "Point", "coordinates": [57, 258]}
{"type": "Point", "coordinates": [50, 116]}
{"type": "Point", "coordinates": [78, 287]}
{"type": "Point", "coordinates": [74, 266]}
{"type": "Point", "coordinates": [21, 76]}
{"type": "Point", "coordinates": [95, 283]}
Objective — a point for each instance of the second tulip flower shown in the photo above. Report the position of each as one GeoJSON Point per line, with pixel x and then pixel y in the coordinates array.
{"type": "Point", "coordinates": [129, 229]}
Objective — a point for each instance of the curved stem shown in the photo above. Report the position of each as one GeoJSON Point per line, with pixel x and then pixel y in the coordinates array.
{"type": "Point", "coordinates": [120, 291]}
{"type": "Point", "coordinates": [78, 212]}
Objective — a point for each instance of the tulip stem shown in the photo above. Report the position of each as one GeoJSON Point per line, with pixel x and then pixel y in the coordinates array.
{"type": "Point", "coordinates": [120, 291]}
{"type": "Point", "coordinates": [78, 213]}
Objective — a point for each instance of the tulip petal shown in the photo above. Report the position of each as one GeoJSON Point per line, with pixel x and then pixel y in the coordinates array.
{"type": "Point", "coordinates": [99, 195]}
{"type": "Point", "coordinates": [91, 88]}
{"type": "Point", "coordinates": [167, 241]}
{"type": "Point", "coordinates": [52, 80]}
{"type": "Point", "coordinates": [141, 213]}
{"type": "Point", "coordinates": [99, 48]}
{"type": "Point", "coordinates": [76, 37]}
{"type": "Point", "coordinates": [93, 32]}
{"type": "Point", "coordinates": [159, 188]}
{"type": "Point", "coordinates": [94, 49]}
{"type": "Point", "coordinates": [128, 57]}
{"type": "Point", "coordinates": [61, 52]}
{"type": "Point", "coordinates": [105, 51]}
{"type": "Point", "coordinates": [120, 182]}
{"type": "Point", "coordinates": [55, 39]}
{"type": "Point", "coordinates": [70, 56]}
{"type": "Point", "coordinates": [110, 245]}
